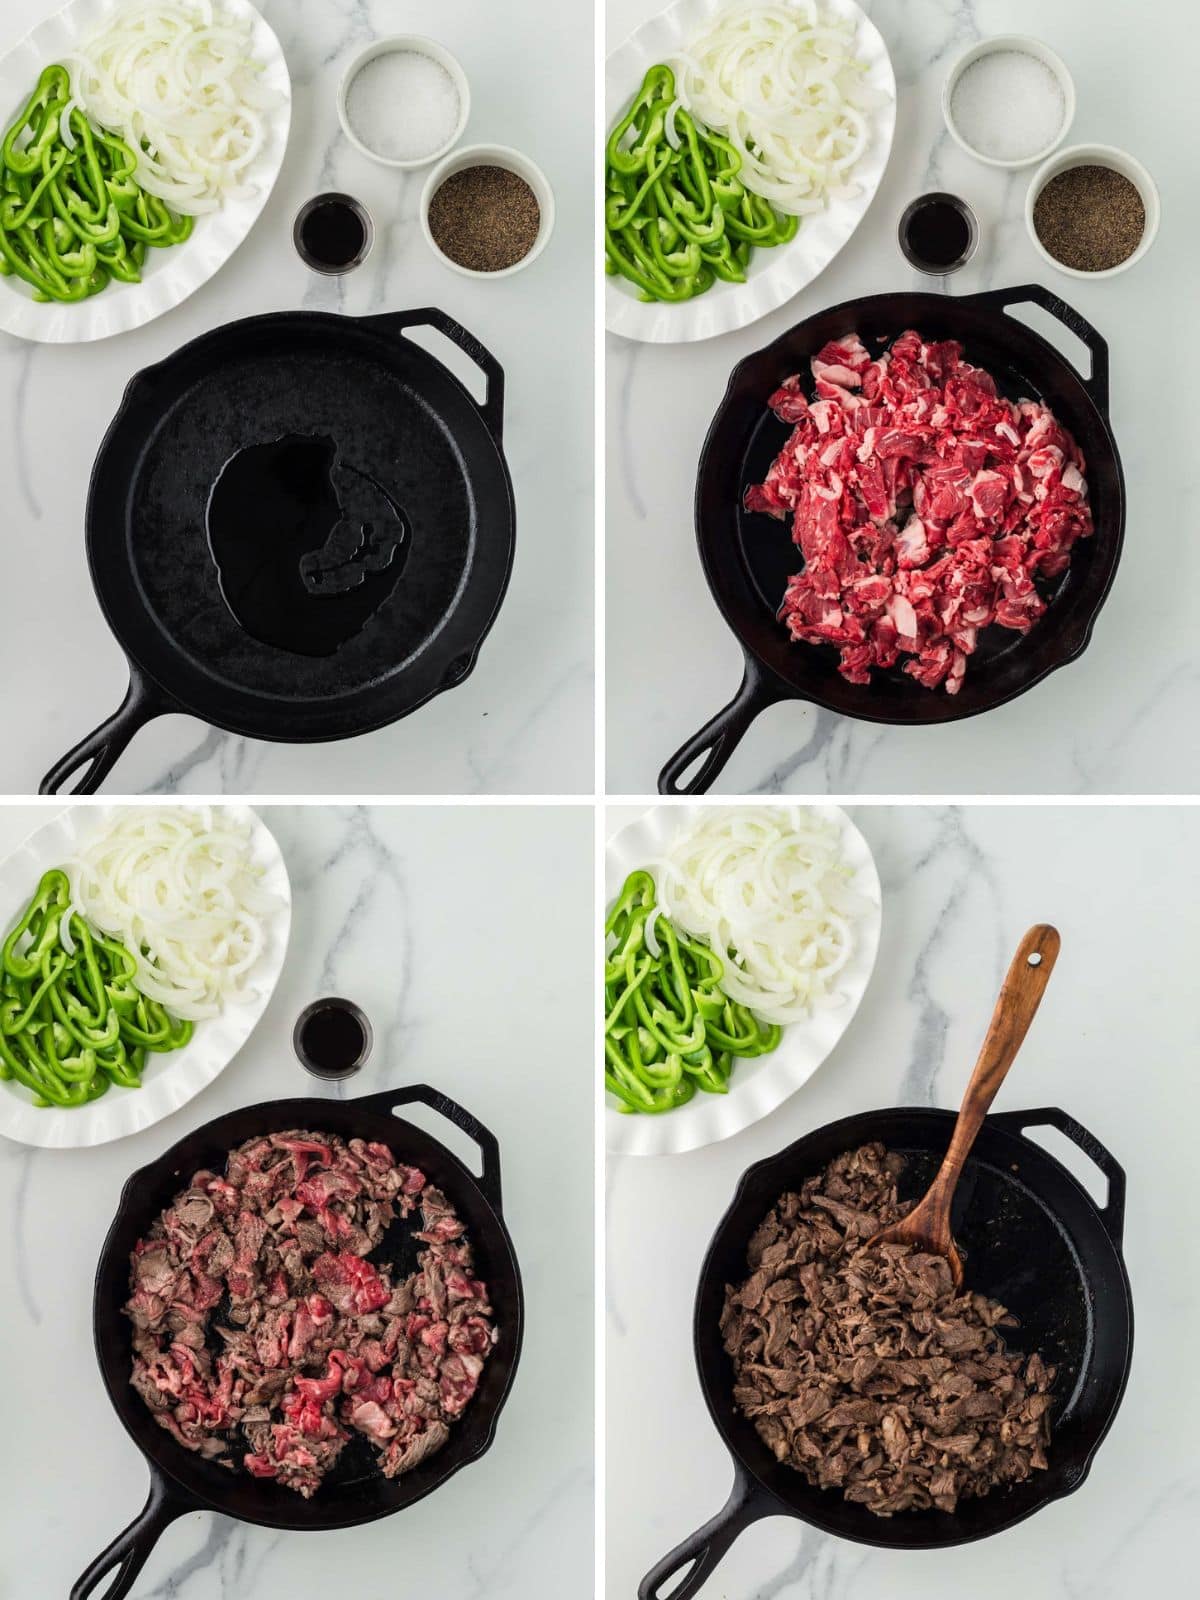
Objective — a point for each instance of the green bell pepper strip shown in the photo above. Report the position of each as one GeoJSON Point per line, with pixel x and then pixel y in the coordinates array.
{"type": "Point", "coordinates": [51, 95]}
{"type": "Point", "coordinates": [16, 212]}
{"type": "Point", "coordinates": [64, 251]}
{"type": "Point", "coordinates": [52, 896]}
{"type": "Point", "coordinates": [630, 261]}
{"type": "Point", "coordinates": [669, 1028]}
{"type": "Point", "coordinates": [620, 210]}
{"type": "Point", "coordinates": [61, 287]}
{"type": "Point", "coordinates": [70, 1066]}
{"type": "Point", "coordinates": [52, 967]}
{"type": "Point", "coordinates": [149, 220]}
{"type": "Point", "coordinates": [685, 263]}
{"type": "Point", "coordinates": [74, 219]}
{"type": "Point", "coordinates": [90, 231]}
{"type": "Point", "coordinates": [646, 117]}
{"type": "Point", "coordinates": [72, 1022]}
{"type": "Point", "coordinates": [663, 203]}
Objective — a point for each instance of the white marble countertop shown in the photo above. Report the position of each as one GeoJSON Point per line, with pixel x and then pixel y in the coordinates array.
{"type": "Point", "coordinates": [522, 723]}
{"type": "Point", "coordinates": [382, 913]}
{"type": "Point", "coordinates": [1111, 722]}
{"type": "Point", "coordinates": [1114, 1044]}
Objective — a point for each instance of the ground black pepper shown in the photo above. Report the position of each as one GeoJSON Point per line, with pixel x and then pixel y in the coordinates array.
{"type": "Point", "coordinates": [485, 218]}
{"type": "Point", "coordinates": [1090, 218]}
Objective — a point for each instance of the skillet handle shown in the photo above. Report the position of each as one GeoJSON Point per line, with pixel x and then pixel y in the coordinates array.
{"type": "Point", "coordinates": [492, 408]}
{"type": "Point", "coordinates": [708, 1545]}
{"type": "Point", "coordinates": [104, 747]}
{"type": "Point", "coordinates": [721, 736]}
{"type": "Point", "coordinates": [1035, 294]}
{"type": "Point", "coordinates": [1112, 1213]}
{"type": "Point", "coordinates": [489, 1145]}
{"type": "Point", "coordinates": [129, 1550]}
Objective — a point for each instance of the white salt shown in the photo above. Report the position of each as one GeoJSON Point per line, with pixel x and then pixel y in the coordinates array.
{"type": "Point", "coordinates": [1008, 105]}
{"type": "Point", "coordinates": [403, 105]}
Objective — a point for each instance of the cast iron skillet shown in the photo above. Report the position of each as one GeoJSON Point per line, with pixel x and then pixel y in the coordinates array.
{"type": "Point", "coordinates": [355, 1491]}
{"type": "Point", "coordinates": [748, 557]}
{"type": "Point", "coordinates": [1031, 1238]}
{"type": "Point", "coordinates": [382, 449]}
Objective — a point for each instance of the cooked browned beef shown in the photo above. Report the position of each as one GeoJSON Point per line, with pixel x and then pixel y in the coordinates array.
{"type": "Point", "coordinates": [864, 1369]}
{"type": "Point", "coordinates": [314, 1340]}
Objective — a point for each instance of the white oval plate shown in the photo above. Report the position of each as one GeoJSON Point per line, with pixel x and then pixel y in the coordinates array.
{"type": "Point", "coordinates": [169, 276]}
{"type": "Point", "coordinates": [757, 1087]}
{"type": "Point", "coordinates": [775, 275]}
{"type": "Point", "coordinates": [171, 1080]}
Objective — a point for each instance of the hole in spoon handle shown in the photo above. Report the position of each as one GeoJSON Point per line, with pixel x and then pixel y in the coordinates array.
{"type": "Point", "coordinates": [1016, 1006]}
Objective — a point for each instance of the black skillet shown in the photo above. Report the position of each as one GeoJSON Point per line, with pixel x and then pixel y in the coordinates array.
{"type": "Point", "coordinates": [355, 1491]}
{"type": "Point", "coordinates": [299, 527]}
{"type": "Point", "coordinates": [1031, 1237]}
{"type": "Point", "coordinates": [748, 557]}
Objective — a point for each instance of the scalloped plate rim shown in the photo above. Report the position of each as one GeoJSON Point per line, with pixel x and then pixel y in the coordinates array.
{"type": "Point", "coordinates": [776, 276]}
{"type": "Point", "coordinates": [758, 1087]}
{"type": "Point", "coordinates": [174, 1079]}
{"type": "Point", "coordinates": [172, 275]}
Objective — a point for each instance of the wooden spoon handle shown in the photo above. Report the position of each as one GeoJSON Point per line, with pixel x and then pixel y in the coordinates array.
{"type": "Point", "coordinates": [1017, 1003]}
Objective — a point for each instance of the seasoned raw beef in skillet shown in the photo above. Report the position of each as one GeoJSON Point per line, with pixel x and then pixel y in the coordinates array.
{"type": "Point", "coordinates": [926, 505]}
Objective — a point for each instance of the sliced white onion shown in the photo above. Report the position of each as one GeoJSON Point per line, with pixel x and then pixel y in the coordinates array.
{"type": "Point", "coordinates": [649, 934]}
{"type": "Point", "coordinates": [64, 123]}
{"type": "Point", "coordinates": [179, 83]}
{"type": "Point", "coordinates": [781, 82]}
{"type": "Point", "coordinates": [769, 890]}
{"type": "Point", "coordinates": [178, 887]}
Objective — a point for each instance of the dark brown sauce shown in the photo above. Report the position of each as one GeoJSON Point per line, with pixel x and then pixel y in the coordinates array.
{"type": "Point", "coordinates": [936, 233]}
{"type": "Point", "coordinates": [333, 233]}
{"type": "Point", "coordinates": [307, 547]}
{"type": "Point", "coordinates": [331, 1039]}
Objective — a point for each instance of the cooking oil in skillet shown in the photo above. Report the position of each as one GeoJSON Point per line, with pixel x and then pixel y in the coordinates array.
{"type": "Point", "coordinates": [307, 547]}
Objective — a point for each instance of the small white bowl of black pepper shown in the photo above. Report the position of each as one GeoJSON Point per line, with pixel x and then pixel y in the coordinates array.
{"type": "Point", "coordinates": [1092, 211]}
{"type": "Point", "coordinates": [487, 211]}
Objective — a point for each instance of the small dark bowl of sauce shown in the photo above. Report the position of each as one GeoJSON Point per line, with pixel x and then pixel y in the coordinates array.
{"type": "Point", "coordinates": [332, 1038]}
{"type": "Point", "coordinates": [938, 233]}
{"type": "Point", "coordinates": [333, 233]}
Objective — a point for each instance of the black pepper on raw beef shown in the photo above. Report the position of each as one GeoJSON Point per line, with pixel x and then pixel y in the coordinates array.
{"type": "Point", "coordinates": [926, 505]}
{"type": "Point", "coordinates": [314, 1340]}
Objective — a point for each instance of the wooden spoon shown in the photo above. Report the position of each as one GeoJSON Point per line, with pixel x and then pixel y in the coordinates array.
{"type": "Point", "coordinates": [928, 1224]}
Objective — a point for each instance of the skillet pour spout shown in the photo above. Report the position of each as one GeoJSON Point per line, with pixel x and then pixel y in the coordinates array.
{"type": "Point", "coordinates": [353, 1493]}
{"type": "Point", "coordinates": [748, 557]}
{"type": "Point", "coordinates": [1035, 1240]}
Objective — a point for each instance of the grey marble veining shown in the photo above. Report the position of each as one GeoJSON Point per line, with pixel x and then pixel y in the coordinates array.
{"type": "Point", "coordinates": [1112, 723]}
{"type": "Point", "coordinates": [492, 1009]}
{"type": "Point", "coordinates": [1114, 1044]}
{"type": "Point", "coordinates": [522, 723]}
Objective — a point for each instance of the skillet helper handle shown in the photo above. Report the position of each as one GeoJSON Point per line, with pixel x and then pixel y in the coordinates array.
{"type": "Point", "coordinates": [1112, 1213]}
{"type": "Point", "coordinates": [103, 748]}
{"type": "Point", "coordinates": [708, 1545]}
{"type": "Point", "coordinates": [489, 1145]}
{"type": "Point", "coordinates": [1035, 294]}
{"type": "Point", "coordinates": [492, 408]}
{"type": "Point", "coordinates": [129, 1550]}
{"type": "Point", "coordinates": [720, 737]}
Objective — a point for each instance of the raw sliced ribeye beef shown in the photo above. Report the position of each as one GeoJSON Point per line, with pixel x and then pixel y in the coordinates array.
{"type": "Point", "coordinates": [926, 505]}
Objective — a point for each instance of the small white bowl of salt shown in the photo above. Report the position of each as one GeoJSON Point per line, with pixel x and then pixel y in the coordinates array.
{"type": "Point", "coordinates": [404, 101]}
{"type": "Point", "coordinates": [1008, 101]}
